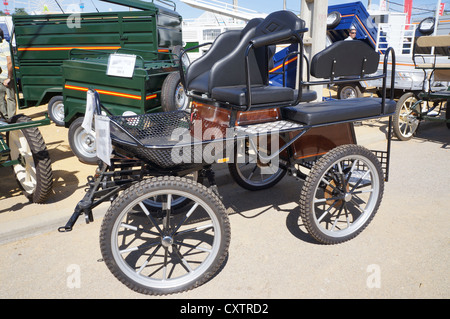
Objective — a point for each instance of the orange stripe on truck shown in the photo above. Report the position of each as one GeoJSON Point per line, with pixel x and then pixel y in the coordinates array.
{"type": "Point", "coordinates": [68, 48]}
{"type": "Point", "coordinates": [125, 95]}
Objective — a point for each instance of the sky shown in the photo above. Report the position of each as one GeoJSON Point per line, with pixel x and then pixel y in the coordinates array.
{"type": "Point", "coordinates": [265, 6]}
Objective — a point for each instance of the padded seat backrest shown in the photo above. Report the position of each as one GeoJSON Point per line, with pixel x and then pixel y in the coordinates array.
{"type": "Point", "coordinates": [225, 43]}
{"type": "Point", "coordinates": [345, 58]}
{"type": "Point", "coordinates": [220, 69]}
{"type": "Point", "coordinates": [230, 71]}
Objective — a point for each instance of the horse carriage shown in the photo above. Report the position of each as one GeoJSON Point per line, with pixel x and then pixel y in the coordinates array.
{"type": "Point", "coordinates": [167, 229]}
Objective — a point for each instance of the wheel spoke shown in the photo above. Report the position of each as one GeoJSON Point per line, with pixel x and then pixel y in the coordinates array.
{"type": "Point", "coordinates": [359, 181]}
{"type": "Point", "coordinates": [337, 217]}
{"type": "Point", "coordinates": [326, 212]}
{"type": "Point", "coordinates": [166, 252]}
{"type": "Point", "coordinates": [168, 208]}
{"type": "Point", "coordinates": [143, 246]}
{"type": "Point", "coordinates": [183, 260]}
{"type": "Point", "coordinates": [322, 200]}
{"type": "Point", "coordinates": [363, 191]}
{"type": "Point", "coordinates": [193, 247]}
{"type": "Point", "coordinates": [188, 214]}
{"type": "Point", "coordinates": [358, 206]}
{"type": "Point", "coordinates": [331, 185]}
{"type": "Point", "coordinates": [146, 212]}
{"type": "Point", "coordinates": [252, 172]}
{"type": "Point", "coordinates": [194, 229]}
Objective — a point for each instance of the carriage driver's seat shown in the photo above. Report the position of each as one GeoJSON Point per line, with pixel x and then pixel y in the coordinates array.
{"type": "Point", "coordinates": [220, 74]}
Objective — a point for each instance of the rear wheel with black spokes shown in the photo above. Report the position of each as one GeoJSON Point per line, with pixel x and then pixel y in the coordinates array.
{"type": "Point", "coordinates": [249, 171]}
{"type": "Point", "coordinates": [341, 194]}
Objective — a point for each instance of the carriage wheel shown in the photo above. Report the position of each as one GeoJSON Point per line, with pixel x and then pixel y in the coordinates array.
{"type": "Point", "coordinates": [341, 194]}
{"type": "Point", "coordinates": [447, 114]}
{"type": "Point", "coordinates": [250, 172]}
{"type": "Point", "coordinates": [162, 252]}
{"type": "Point", "coordinates": [34, 172]}
{"type": "Point", "coordinates": [405, 118]}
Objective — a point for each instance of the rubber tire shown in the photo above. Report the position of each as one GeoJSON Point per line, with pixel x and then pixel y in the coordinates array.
{"type": "Point", "coordinates": [41, 159]}
{"type": "Point", "coordinates": [355, 87]}
{"type": "Point", "coordinates": [170, 89]}
{"type": "Point", "coordinates": [396, 118]}
{"type": "Point", "coordinates": [137, 190]}
{"type": "Point", "coordinates": [313, 181]}
{"type": "Point", "coordinates": [73, 128]}
{"type": "Point", "coordinates": [336, 22]}
{"type": "Point", "coordinates": [233, 169]}
{"type": "Point", "coordinates": [54, 101]}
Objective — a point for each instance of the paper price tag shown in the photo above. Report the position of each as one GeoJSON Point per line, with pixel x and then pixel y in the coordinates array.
{"type": "Point", "coordinates": [121, 65]}
{"type": "Point", "coordinates": [103, 138]}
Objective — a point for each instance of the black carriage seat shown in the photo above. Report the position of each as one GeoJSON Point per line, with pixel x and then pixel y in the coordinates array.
{"type": "Point", "coordinates": [223, 78]}
{"type": "Point", "coordinates": [341, 59]}
{"type": "Point", "coordinates": [198, 74]}
{"type": "Point", "coordinates": [261, 95]}
{"type": "Point", "coordinates": [337, 110]}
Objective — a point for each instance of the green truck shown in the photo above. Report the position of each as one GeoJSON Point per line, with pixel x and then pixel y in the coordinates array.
{"type": "Point", "coordinates": [57, 56]}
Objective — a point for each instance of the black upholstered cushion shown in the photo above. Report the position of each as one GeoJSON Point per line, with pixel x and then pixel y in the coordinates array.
{"type": "Point", "coordinates": [261, 94]}
{"type": "Point", "coordinates": [236, 95]}
{"type": "Point", "coordinates": [336, 110]}
{"type": "Point", "coordinates": [345, 58]}
{"type": "Point", "coordinates": [200, 83]}
{"type": "Point", "coordinates": [307, 95]}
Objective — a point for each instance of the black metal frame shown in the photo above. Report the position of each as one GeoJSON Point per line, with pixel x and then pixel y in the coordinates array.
{"type": "Point", "coordinates": [429, 96]}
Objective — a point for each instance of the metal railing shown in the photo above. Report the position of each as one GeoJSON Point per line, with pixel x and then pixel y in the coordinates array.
{"type": "Point", "coordinates": [398, 36]}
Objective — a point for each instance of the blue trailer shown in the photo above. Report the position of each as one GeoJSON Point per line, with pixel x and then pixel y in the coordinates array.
{"type": "Point", "coordinates": [343, 17]}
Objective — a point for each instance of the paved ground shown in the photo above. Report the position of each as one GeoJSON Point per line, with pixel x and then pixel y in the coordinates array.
{"type": "Point", "coordinates": [402, 254]}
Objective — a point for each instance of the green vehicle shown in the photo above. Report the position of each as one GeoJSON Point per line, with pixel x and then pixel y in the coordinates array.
{"type": "Point", "coordinates": [55, 53]}
{"type": "Point", "coordinates": [152, 87]}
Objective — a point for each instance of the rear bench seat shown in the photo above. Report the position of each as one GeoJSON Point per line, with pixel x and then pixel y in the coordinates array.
{"type": "Point", "coordinates": [337, 110]}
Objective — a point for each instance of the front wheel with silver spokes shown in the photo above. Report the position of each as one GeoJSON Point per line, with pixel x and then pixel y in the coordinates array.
{"type": "Point", "coordinates": [165, 251]}
{"type": "Point", "coordinates": [341, 194]}
{"type": "Point", "coordinates": [406, 119]}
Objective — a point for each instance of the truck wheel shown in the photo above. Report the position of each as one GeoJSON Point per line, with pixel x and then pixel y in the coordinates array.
{"type": "Point", "coordinates": [349, 91]}
{"type": "Point", "coordinates": [82, 143]}
{"type": "Point", "coordinates": [34, 172]}
{"type": "Point", "coordinates": [173, 95]}
{"type": "Point", "coordinates": [56, 110]}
